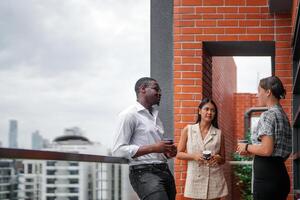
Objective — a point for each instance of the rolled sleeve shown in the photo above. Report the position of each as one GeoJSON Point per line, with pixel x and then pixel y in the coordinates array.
{"type": "Point", "coordinates": [123, 133]}
{"type": "Point", "coordinates": [127, 151]}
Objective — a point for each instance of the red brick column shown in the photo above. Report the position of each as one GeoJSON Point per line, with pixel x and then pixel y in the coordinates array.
{"type": "Point", "coordinates": [224, 87]}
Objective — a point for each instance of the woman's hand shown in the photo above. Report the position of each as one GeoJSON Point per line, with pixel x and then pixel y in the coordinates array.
{"type": "Point", "coordinates": [241, 149]}
{"type": "Point", "coordinates": [199, 158]}
{"type": "Point", "coordinates": [214, 160]}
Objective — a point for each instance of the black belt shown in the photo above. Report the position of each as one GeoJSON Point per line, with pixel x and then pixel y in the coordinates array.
{"type": "Point", "coordinates": [162, 166]}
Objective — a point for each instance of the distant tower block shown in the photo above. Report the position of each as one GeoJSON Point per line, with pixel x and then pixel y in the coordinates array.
{"type": "Point", "coordinates": [13, 134]}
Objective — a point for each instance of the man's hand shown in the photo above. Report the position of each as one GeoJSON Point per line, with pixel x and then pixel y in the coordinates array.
{"type": "Point", "coordinates": [172, 153]}
{"type": "Point", "coordinates": [163, 147]}
{"type": "Point", "coordinates": [167, 148]}
{"type": "Point", "coordinates": [170, 150]}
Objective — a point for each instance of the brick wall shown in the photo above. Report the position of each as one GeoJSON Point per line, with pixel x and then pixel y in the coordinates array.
{"type": "Point", "coordinates": [242, 102]}
{"type": "Point", "coordinates": [224, 87]}
{"type": "Point", "coordinates": [196, 21]}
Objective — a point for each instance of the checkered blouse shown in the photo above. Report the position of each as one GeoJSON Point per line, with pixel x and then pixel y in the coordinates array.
{"type": "Point", "coordinates": [274, 122]}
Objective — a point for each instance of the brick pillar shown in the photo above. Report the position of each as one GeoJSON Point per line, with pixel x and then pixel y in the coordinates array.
{"type": "Point", "coordinates": [224, 87]}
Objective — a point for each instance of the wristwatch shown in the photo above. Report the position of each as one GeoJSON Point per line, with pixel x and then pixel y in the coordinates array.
{"type": "Point", "coordinates": [246, 147]}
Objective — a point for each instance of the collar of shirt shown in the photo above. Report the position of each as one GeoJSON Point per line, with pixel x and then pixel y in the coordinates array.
{"type": "Point", "coordinates": [141, 108]}
{"type": "Point", "coordinates": [275, 106]}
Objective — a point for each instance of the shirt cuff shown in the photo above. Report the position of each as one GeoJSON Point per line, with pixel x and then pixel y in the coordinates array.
{"type": "Point", "coordinates": [132, 151]}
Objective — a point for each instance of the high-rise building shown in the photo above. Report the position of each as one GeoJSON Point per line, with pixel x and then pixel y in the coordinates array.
{"type": "Point", "coordinates": [30, 180]}
{"type": "Point", "coordinates": [49, 180]}
{"type": "Point", "coordinates": [75, 180]}
{"type": "Point", "coordinates": [37, 141]}
{"type": "Point", "coordinates": [8, 179]}
{"type": "Point", "coordinates": [13, 134]}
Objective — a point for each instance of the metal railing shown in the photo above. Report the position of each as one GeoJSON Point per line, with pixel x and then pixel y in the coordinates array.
{"type": "Point", "coordinates": [10, 153]}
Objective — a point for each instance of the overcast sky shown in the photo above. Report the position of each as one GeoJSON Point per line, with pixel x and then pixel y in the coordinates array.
{"type": "Point", "coordinates": [70, 63]}
{"type": "Point", "coordinates": [75, 63]}
{"type": "Point", "coordinates": [250, 70]}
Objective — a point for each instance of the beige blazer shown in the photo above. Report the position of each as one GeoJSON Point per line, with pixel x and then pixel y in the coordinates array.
{"type": "Point", "coordinates": [204, 182]}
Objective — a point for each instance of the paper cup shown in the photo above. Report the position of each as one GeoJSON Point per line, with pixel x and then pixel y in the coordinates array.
{"type": "Point", "coordinates": [206, 154]}
{"type": "Point", "coordinates": [168, 140]}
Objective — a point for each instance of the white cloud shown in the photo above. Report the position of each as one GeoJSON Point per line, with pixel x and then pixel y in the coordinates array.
{"type": "Point", "coordinates": [70, 63]}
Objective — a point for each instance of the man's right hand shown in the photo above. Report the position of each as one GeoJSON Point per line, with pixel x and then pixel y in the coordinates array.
{"type": "Point", "coordinates": [164, 147]}
{"type": "Point", "coordinates": [160, 147]}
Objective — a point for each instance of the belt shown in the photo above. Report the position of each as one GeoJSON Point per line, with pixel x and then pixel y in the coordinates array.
{"type": "Point", "coordinates": [162, 166]}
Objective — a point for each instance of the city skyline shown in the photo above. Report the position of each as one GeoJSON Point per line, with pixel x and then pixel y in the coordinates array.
{"type": "Point", "coordinates": [39, 140]}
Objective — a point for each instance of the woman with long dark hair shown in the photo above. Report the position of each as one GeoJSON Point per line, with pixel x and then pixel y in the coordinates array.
{"type": "Point", "coordinates": [202, 145]}
{"type": "Point", "coordinates": [271, 144]}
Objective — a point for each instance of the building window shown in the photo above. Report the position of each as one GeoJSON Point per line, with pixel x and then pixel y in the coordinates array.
{"type": "Point", "coordinates": [73, 181]}
{"type": "Point", "coordinates": [51, 180]}
{"type": "Point", "coordinates": [29, 169]}
{"type": "Point", "coordinates": [29, 194]}
{"type": "Point", "coordinates": [74, 164]}
{"type": "Point", "coordinates": [29, 180]}
{"type": "Point", "coordinates": [28, 187]}
{"type": "Point", "coordinates": [73, 190]}
{"type": "Point", "coordinates": [50, 172]}
{"type": "Point", "coordinates": [51, 163]}
{"type": "Point", "coordinates": [73, 172]}
{"type": "Point", "coordinates": [73, 198]}
{"type": "Point", "coordinates": [51, 189]}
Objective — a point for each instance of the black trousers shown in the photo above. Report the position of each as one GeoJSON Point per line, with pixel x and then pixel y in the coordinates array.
{"type": "Point", "coordinates": [153, 182]}
{"type": "Point", "coordinates": [271, 180]}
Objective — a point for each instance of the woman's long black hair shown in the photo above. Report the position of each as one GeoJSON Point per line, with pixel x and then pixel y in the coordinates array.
{"type": "Point", "coordinates": [215, 119]}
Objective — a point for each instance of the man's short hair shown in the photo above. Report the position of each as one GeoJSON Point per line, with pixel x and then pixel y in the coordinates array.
{"type": "Point", "coordinates": [145, 81]}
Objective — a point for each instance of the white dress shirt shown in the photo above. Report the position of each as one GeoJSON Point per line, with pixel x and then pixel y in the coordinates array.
{"type": "Point", "coordinates": [136, 127]}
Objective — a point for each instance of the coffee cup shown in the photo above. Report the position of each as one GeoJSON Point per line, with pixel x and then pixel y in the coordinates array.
{"type": "Point", "coordinates": [243, 141]}
{"type": "Point", "coordinates": [168, 140]}
{"type": "Point", "coordinates": [206, 154]}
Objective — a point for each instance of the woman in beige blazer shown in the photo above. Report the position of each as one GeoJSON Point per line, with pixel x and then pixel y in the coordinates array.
{"type": "Point", "coordinates": [205, 178]}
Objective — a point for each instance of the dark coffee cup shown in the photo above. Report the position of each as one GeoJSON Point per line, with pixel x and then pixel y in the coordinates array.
{"type": "Point", "coordinates": [243, 141]}
{"type": "Point", "coordinates": [206, 154]}
{"type": "Point", "coordinates": [168, 140]}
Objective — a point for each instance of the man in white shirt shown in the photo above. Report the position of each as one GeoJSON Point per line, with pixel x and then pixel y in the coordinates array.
{"type": "Point", "coordinates": [139, 138]}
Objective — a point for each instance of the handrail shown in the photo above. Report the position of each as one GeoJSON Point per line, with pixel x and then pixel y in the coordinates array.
{"type": "Point", "coordinates": [247, 117]}
{"type": "Point", "coordinates": [53, 155]}
{"type": "Point", "coordinates": [241, 162]}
